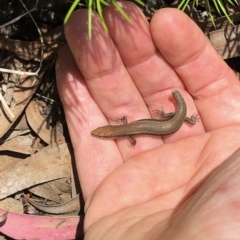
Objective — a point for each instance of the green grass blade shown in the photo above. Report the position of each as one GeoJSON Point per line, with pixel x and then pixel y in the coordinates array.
{"type": "Point", "coordinates": [229, 1]}
{"type": "Point", "coordinates": [224, 10]}
{"type": "Point", "coordinates": [70, 11]}
{"type": "Point", "coordinates": [94, 5]}
{"type": "Point", "coordinates": [99, 9]}
{"type": "Point", "coordinates": [212, 19]}
{"type": "Point", "coordinates": [104, 3]}
{"type": "Point", "coordinates": [208, 9]}
{"type": "Point", "coordinates": [233, 2]}
{"type": "Point", "coordinates": [181, 4]}
{"type": "Point", "coordinates": [236, 2]}
{"type": "Point", "coordinates": [216, 6]}
{"type": "Point", "coordinates": [125, 16]}
{"type": "Point", "coordinates": [140, 2]}
{"type": "Point", "coordinates": [185, 5]}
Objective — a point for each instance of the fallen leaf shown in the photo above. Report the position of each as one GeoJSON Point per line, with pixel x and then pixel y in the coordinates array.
{"type": "Point", "coordinates": [21, 144]}
{"type": "Point", "coordinates": [44, 166]}
{"type": "Point", "coordinates": [21, 98]}
{"type": "Point", "coordinates": [39, 125]}
{"type": "Point", "coordinates": [68, 207]}
{"type": "Point", "coordinates": [12, 205]}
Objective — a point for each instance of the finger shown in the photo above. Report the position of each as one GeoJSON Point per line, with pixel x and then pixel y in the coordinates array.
{"type": "Point", "coordinates": [107, 78]}
{"type": "Point", "coordinates": [154, 77]}
{"type": "Point", "coordinates": [207, 77]}
{"type": "Point", "coordinates": [92, 161]}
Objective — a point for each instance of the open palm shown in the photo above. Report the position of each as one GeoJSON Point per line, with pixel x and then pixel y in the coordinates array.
{"type": "Point", "coordinates": [173, 187]}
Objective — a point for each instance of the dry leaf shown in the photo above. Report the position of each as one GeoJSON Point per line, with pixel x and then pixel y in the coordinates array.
{"type": "Point", "coordinates": [68, 207]}
{"type": "Point", "coordinates": [44, 166]}
{"type": "Point", "coordinates": [21, 98]}
{"type": "Point", "coordinates": [21, 144]}
{"type": "Point", "coordinates": [39, 125]}
{"type": "Point", "coordinates": [12, 205]}
{"type": "Point", "coordinates": [45, 191]}
{"type": "Point", "coordinates": [7, 162]}
{"type": "Point", "coordinates": [60, 185]}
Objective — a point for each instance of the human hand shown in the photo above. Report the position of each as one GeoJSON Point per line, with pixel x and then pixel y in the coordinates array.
{"type": "Point", "coordinates": [151, 191]}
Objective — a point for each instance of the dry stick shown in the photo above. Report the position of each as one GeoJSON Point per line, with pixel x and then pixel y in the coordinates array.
{"type": "Point", "coordinates": [41, 41]}
{"type": "Point", "coordinates": [19, 17]}
{"type": "Point", "coordinates": [6, 108]}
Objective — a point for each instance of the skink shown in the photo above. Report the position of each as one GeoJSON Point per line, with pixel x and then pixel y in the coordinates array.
{"type": "Point", "coordinates": [170, 125]}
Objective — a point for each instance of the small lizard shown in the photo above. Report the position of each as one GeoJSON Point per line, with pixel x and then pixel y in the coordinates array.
{"type": "Point", "coordinates": [170, 125]}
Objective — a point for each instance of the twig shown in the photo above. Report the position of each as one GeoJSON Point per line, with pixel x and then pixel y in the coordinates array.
{"type": "Point", "coordinates": [6, 108]}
